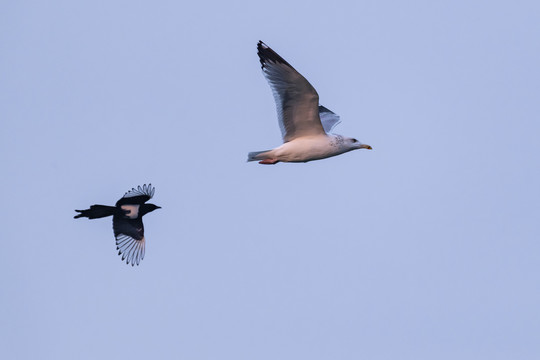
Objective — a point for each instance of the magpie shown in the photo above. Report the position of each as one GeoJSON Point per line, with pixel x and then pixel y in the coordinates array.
{"type": "Point", "coordinates": [127, 221]}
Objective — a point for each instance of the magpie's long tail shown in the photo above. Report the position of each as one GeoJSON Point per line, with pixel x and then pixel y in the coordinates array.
{"type": "Point", "coordinates": [96, 211]}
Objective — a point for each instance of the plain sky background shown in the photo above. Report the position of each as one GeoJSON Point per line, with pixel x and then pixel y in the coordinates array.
{"type": "Point", "coordinates": [427, 247]}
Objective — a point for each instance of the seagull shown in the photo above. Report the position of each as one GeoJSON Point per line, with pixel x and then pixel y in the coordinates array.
{"type": "Point", "coordinates": [305, 125]}
{"type": "Point", "coordinates": [127, 221]}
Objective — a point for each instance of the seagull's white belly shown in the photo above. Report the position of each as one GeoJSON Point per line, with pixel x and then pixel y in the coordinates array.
{"type": "Point", "coordinates": [305, 149]}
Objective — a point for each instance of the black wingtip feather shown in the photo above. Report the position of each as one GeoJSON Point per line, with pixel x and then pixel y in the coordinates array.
{"type": "Point", "coordinates": [267, 54]}
{"type": "Point", "coordinates": [325, 109]}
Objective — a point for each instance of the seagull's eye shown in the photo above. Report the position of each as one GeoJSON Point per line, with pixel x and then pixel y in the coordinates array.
{"type": "Point", "coordinates": [354, 140]}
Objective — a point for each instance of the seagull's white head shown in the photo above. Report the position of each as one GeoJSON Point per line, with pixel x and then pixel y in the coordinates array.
{"type": "Point", "coordinates": [354, 144]}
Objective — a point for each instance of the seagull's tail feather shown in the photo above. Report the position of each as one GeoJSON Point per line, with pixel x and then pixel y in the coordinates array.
{"type": "Point", "coordinates": [254, 156]}
{"type": "Point", "coordinates": [96, 211]}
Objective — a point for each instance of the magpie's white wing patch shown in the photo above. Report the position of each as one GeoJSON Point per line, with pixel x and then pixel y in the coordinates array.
{"type": "Point", "coordinates": [145, 190]}
{"type": "Point", "coordinates": [131, 250]}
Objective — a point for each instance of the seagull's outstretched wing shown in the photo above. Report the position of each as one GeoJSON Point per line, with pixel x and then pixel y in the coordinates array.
{"type": "Point", "coordinates": [296, 100]}
{"type": "Point", "coordinates": [329, 119]}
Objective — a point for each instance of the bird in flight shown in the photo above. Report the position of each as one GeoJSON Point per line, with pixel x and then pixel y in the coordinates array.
{"type": "Point", "coordinates": [127, 221]}
{"type": "Point", "coordinates": [305, 125]}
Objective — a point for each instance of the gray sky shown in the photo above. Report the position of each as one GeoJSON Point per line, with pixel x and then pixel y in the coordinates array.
{"type": "Point", "coordinates": [426, 247]}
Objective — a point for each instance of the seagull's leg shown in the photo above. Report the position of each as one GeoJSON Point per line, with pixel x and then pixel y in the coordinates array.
{"type": "Point", "coordinates": [269, 161]}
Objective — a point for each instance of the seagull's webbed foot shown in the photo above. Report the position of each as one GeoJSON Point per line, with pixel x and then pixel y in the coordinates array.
{"type": "Point", "coordinates": [269, 161]}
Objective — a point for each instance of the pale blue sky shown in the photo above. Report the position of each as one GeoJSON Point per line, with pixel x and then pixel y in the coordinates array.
{"type": "Point", "coordinates": [427, 247]}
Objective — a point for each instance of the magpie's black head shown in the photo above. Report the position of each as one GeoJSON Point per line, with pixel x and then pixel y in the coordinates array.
{"type": "Point", "coordinates": [146, 208]}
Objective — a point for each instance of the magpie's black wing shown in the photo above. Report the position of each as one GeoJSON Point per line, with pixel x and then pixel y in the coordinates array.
{"type": "Point", "coordinates": [129, 234]}
{"type": "Point", "coordinates": [137, 196]}
{"type": "Point", "coordinates": [128, 227]}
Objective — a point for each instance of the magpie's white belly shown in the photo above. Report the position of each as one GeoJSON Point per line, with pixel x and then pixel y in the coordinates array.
{"type": "Point", "coordinates": [133, 210]}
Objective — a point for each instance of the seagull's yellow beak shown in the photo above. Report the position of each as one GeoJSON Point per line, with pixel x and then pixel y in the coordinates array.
{"type": "Point", "coordinates": [365, 146]}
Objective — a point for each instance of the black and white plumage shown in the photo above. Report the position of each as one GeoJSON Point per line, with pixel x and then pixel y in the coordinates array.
{"type": "Point", "coordinates": [305, 125]}
{"type": "Point", "coordinates": [127, 221]}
